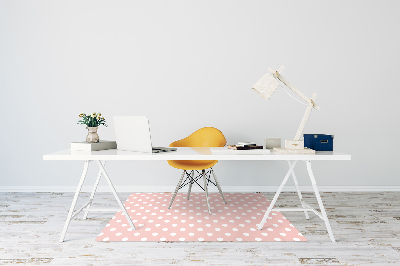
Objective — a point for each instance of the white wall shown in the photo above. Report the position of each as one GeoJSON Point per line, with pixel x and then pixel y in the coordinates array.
{"type": "Point", "coordinates": [190, 64]}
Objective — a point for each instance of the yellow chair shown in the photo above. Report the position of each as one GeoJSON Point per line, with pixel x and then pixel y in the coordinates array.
{"type": "Point", "coordinates": [204, 137]}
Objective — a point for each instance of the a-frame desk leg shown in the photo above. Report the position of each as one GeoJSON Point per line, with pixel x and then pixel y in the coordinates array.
{"type": "Point", "coordinates": [86, 207]}
{"type": "Point", "coordinates": [305, 206]}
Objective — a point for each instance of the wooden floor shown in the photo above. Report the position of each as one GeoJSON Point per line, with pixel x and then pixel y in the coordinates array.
{"type": "Point", "coordinates": [366, 226]}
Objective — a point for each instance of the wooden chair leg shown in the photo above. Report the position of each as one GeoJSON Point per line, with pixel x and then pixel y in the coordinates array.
{"type": "Point", "coordinates": [218, 186]}
{"type": "Point", "coordinates": [190, 184]}
{"type": "Point", "coordinates": [176, 189]}
{"type": "Point", "coordinates": [206, 190]}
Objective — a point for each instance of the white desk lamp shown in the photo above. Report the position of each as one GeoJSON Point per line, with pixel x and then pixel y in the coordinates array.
{"type": "Point", "coordinates": [266, 86]}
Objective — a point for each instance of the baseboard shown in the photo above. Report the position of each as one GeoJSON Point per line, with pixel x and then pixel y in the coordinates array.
{"type": "Point", "coordinates": [196, 189]}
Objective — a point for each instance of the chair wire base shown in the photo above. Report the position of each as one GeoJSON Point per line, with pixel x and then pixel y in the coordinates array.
{"type": "Point", "coordinates": [192, 177]}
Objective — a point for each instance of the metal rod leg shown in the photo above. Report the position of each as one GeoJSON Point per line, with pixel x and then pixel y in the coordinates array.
{"type": "Point", "coordinates": [321, 205]}
{"type": "Point", "coordinates": [260, 226]}
{"type": "Point", "coordinates": [218, 186]}
{"type": "Point", "coordinates": [116, 195]}
{"type": "Point", "coordinates": [190, 184]}
{"type": "Point", "coordinates": [71, 210]}
{"type": "Point", "coordinates": [93, 192]}
{"type": "Point", "coordinates": [176, 189]}
{"type": "Point", "coordinates": [206, 190]}
{"type": "Point", "coordinates": [299, 192]}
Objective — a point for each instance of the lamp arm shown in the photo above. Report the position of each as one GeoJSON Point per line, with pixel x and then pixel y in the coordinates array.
{"type": "Point", "coordinates": [293, 88]}
{"type": "Point", "coordinates": [305, 117]}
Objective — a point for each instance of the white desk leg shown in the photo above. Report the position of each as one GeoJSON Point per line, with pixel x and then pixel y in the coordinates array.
{"type": "Point", "coordinates": [71, 210]}
{"type": "Point", "coordinates": [299, 192]}
{"type": "Point", "coordinates": [260, 226]}
{"type": "Point", "coordinates": [93, 192]}
{"type": "Point", "coordinates": [116, 195]}
{"type": "Point", "coordinates": [321, 205]}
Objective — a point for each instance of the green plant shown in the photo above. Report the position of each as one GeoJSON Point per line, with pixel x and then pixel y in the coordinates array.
{"type": "Point", "coordinates": [93, 120]}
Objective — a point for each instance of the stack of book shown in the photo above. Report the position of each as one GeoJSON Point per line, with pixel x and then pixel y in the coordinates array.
{"type": "Point", "coordinates": [245, 146]}
{"type": "Point", "coordinates": [240, 148]}
{"type": "Point", "coordinates": [98, 146]}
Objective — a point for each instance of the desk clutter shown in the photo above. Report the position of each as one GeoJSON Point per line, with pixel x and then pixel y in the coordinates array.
{"type": "Point", "coordinates": [240, 148]}
{"type": "Point", "coordinates": [245, 146]}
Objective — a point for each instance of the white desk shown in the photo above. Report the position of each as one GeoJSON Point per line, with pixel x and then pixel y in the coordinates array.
{"type": "Point", "coordinates": [194, 154]}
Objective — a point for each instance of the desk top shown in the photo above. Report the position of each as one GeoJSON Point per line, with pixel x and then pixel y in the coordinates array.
{"type": "Point", "coordinates": [186, 153]}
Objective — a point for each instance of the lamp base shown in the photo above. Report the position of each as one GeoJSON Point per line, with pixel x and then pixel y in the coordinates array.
{"type": "Point", "coordinates": [293, 151]}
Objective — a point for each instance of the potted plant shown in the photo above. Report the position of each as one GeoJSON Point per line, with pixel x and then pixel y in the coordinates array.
{"type": "Point", "coordinates": [92, 123]}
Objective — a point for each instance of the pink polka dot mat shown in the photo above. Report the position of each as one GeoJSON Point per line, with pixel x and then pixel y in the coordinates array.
{"type": "Point", "coordinates": [189, 220]}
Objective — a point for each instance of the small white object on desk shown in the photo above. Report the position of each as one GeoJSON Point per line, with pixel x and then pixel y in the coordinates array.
{"type": "Point", "coordinates": [98, 146]}
{"type": "Point", "coordinates": [271, 143]}
{"type": "Point", "coordinates": [225, 150]}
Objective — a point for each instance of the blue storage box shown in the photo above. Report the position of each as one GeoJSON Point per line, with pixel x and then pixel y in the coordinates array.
{"type": "Point", "coordinates": [318, 142]}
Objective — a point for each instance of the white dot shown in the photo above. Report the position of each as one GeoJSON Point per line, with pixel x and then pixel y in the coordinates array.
{"type": "Point", "coordinates": [105, 239]}
{"type": "Point", "coordinates": [124, 239]}
{"type": "Point", "coordinates": [173, 234]}
{"type": "Point", "coordinates": [258, 239]}
{"type": "Point", "coordinates": [277, 239]}
{"type": "Point", "coordinates": [296, 239]}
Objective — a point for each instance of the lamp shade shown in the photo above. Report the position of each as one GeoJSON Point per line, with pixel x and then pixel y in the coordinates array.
{"type": "Point", "coordinates": [266, 86]}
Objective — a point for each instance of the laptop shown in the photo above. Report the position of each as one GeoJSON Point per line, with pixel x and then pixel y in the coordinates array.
{"type": "Point", "coordinates": [133, 134]}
